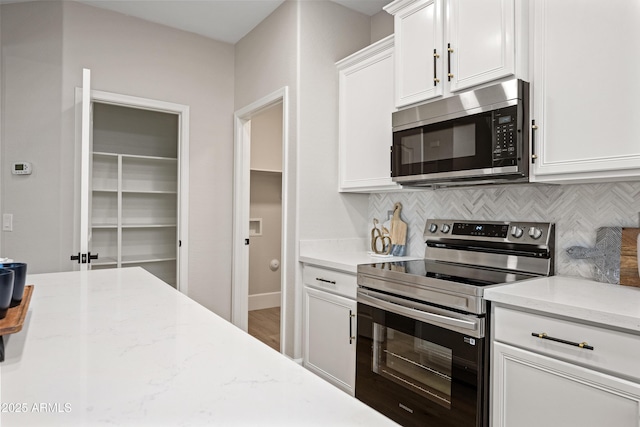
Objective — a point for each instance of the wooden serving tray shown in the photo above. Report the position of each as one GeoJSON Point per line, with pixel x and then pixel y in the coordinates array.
{"type": "Point", "coordinates": [14, 320]}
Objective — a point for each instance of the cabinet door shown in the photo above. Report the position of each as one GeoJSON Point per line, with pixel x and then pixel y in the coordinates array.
{"type": "Point", "coordinates": [366, 105]}
{"type": "Point", "coordinates": [329, 348]}
{"type": "Point", "coordinates": [531, 390]}
{"type": "Point", "coordinates": [586, 72]}
{"type": "Point", "coordinates": [418, 56]}
{"type": "Point", "coordinates": [480, 41]}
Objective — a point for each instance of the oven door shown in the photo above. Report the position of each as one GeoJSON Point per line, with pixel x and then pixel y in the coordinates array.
{"type": "Point", "coordinates": [419, 367]}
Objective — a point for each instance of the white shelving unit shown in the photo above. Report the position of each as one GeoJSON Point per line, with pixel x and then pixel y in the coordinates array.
{"type": "Point", "coordinates": [134, 191]}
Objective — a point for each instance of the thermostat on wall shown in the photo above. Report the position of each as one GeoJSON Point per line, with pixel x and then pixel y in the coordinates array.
{"type": "Point", "coordinates": [21, 168]}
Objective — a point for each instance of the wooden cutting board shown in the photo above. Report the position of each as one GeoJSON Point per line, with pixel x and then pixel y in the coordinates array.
{"type": "Point", "coordinates": [629, 257]}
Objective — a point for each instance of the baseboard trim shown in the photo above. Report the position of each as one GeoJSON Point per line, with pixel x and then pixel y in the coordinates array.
{"type": "Point", "coordinates": [262, 301]}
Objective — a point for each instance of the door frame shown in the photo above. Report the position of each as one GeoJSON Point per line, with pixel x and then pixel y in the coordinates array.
{"type": "Point", "coordinates": [241, 205]}
{"type": "Point", "coordinates": [182, 111]}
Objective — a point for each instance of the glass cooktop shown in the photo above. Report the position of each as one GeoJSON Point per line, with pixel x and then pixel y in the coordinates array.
{"type": "Point", "coordinates": [427, 269]}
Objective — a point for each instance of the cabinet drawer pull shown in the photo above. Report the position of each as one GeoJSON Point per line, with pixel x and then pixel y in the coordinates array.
{"type": "Point", "coordinates": [351, 336]}
{"type": "Point", "coordinates": [449, 50]}
{"type": "Point", "coordinates": [544, 336]}
{"type": "Point", "coordinates": [436, 80]}
{"type": "Point", "coordinates": [331, 282]}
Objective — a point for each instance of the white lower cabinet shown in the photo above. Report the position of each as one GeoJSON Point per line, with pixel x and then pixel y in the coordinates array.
{"type": "Point", "coordinates": [541, 382]}
{"type": "Point", "coordinates": [329, 328]}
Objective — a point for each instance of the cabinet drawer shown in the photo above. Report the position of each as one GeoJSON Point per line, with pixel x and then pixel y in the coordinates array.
{"type": "Point", "coordinates": [338, 282]}
{"type": "Point", "coordinates": [613, 351]}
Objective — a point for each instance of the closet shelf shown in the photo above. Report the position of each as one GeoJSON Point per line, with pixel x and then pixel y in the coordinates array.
{"type": "Point", "coordinates": [165, 225]}
{"type": "Point", "coordinates": [149, 192]}
{"type": "Point", "coordinates": [139, 259]}
{"type": "Point", "coordinates": [104, 261]}
{"type": "Point", "coordinates": [133, 156]}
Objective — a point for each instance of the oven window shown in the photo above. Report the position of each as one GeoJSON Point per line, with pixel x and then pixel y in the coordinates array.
{"type": "Point", "coordinates": [421, 366]}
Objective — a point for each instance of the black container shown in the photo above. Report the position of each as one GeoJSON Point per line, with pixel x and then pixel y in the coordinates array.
{"type": "Point", "coordinates": [20, 270]}
{"type": "Point", "coordinates": [6, 290]}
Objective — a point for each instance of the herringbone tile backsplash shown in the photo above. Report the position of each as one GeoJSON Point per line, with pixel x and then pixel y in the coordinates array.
{"type": "Point", "coordinates": [578, 211]}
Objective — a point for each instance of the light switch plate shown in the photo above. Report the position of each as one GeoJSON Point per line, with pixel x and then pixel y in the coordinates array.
{"type": "Point", "coordinates": [7, 222]}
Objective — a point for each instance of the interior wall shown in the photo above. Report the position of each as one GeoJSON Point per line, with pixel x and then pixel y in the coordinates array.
{"type": "Point", "coordinates": [266, 139]}
{"type": "Point", "coordinates": [297, 46]}
{"type": "Point", "coordinates": [31, 35]}
{"type": "Point", "coordinates": [265, 62]}
{"type": "Point", "coordinates": [266, 204]}
{"type": "Point", "coordinates": [1, 132]}
{"type": "Point", "coordinates": [331, 33]}
{"type": "Point", "coordinates": [45, 45]}
{"type": "Point", "coordinates": [381, 26]}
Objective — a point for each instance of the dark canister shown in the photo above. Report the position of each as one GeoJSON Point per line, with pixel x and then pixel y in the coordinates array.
{"type": "Point", "coordinates": [20, 270]}
{"type": "Point", "coordinates": [6, 290]}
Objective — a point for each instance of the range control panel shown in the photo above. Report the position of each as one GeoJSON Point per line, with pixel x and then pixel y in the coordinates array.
{"type": "Point", "coordinates": [516, 231]}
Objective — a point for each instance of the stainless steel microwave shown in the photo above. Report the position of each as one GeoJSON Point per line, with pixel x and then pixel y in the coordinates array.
{"type": "Point", "coordinates": [476, 137]}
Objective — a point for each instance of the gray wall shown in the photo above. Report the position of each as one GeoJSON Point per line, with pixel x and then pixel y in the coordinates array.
{"type": "Point", "coordinates": [381, 26]}
{"type": "Point", "coordinates": [265, 61]}
{"type": "Point", "coordinates": [41, 203]}
{"type": "Point", "coordinates": [297, 46]}
{"type": "Point", "coordinates": [331, 33]}
{"type": "Point", "coordinates": [45, 45]}
{"type": "Point", "coordinates": [577, 210]}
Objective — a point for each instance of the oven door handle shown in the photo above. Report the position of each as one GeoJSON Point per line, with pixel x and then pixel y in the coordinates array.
{"type": "Point", "coordinates": [472, 327]}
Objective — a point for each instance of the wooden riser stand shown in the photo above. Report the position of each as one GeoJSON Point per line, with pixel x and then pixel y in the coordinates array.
{"type": "Point", "coordinates": [14, 320]}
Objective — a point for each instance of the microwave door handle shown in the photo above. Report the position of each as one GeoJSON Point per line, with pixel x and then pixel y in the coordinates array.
{"type": "Point", "coordinates": [420, 315]}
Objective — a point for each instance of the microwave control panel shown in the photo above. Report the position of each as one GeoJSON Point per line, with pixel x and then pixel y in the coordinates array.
{"type": "Point", "coordinates": [505, 136]}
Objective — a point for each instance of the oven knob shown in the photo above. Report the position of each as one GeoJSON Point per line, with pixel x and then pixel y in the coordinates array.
{"type": "Point", "coordinates": [446, 228]}
{"type": "Point", "coordinates": [535, 232]}
{"type": "Point", "coordinates": [517, 232]}
{"type": "Point", "coordinates": [433, 227]}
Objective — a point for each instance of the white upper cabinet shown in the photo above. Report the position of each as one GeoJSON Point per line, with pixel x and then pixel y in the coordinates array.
{"type": "Point", "coordinates": [418, 61]}
{"type": "Point", "coordinates": [444, 46]}
{"type": "Point", "coordinates": [480, 41]}
{"type": "Point", "coordinates": [587, 126]}
{"type": "Point", "coordinates": [365, 107]}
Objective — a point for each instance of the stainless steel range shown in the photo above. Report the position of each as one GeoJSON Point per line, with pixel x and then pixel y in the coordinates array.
{"type": "Point", "coordinates": [422, 346]}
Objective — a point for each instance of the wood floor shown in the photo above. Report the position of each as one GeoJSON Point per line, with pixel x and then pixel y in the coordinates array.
{"type": "Point", "coordinates": [265, 326]}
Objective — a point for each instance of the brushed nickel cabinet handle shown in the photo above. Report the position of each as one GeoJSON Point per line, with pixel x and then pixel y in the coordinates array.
{"type": "Point", "coordinates": [534, 128]}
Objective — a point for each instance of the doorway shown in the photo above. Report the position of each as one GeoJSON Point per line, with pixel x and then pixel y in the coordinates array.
{"type": "Point", "coordinates": [133, 188]}
{"type": "Point", "coordinates": [259, 285]}
{"type": "Point", "coordinates": [265, 226]}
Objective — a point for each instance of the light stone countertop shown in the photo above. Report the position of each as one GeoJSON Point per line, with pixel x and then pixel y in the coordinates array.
{"type": "Point", "coordinates": [616, 306]}
{"type": "Point", "coordinates": [120, 347]}
{"type": "Point", "coordinates": [342, 254]}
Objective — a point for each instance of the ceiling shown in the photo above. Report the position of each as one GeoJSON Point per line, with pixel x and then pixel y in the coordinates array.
{"type": "Point", "coordinates": [224, 20]}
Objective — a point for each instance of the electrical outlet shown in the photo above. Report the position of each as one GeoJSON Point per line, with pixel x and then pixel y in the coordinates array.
{"type": "Point", "coordinates": [389, 214]}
